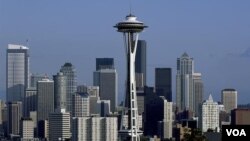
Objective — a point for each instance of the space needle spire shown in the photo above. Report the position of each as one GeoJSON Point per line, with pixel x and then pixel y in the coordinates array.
{"type": "Point", "coordinates": [130, 28]}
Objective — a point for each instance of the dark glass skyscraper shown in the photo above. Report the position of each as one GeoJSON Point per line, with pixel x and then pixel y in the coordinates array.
{"type": "Point", "coordinates": [104, 63]}
{"type": "Point", "coordinates": [140, 64]}
{"type": "Point", "coordinates": [163, 82]}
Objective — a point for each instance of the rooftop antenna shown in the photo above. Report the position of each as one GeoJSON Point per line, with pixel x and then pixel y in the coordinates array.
{"type": "Point", "coordinates": [27, 42]}
{"type": "Point", "coordinates": [130, 7]}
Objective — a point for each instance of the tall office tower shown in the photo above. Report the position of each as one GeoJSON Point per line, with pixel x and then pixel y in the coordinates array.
{"type": "Point", "coordinates": [166, 125]}
{"type": "Point", "coordinates": [107, 81]}
{"type": "Point", "coordinates": [104, 63]}
{"type": "Point", "coordinates": [34, 78]}
{"type": "Point", "coordinates": [27, 129]}
{"type": "Point", "coordinates": [229, 99]}
{"type": "Point", "coordinates": [80, 104]}
{"type": "Point", "coordinates": [103, 107]}
{"type": "Point", "coordinates": [29, 101]}
{"type": "Point", "coordinates": [14, 114]}
{"type": "Point", "coordinates": [69, 71]}
{"type": "Point", "coordinates": [185, 79]}
{"type": "Point", "coordinates": [163, 82]}
{"type": "Point", "coordinates": [45, 99]}
{"type": "Point", "coordinates": [140, 64]}
{"type": "Point", "coordinates": [93, 92]}
{"type": "Point", "coordinates": [59, 125]}
{"type": "Point", "coordinates": [198, 92]}
{"type": "Point", "coordinates": [209, 115]}
{"type": "Point", "coordinates": [60, 83]}
{"type": "Point", "coordinates": [17, 77]}
{"type": "Point", "coordinates": [153, 111]}
{"type": "Point", "coordinates": [130, 29]}
{"type": "Point", "coordinates": [94, 129]}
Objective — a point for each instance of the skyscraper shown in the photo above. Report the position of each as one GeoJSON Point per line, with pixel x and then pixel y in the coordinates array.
{"type": "Point", "coordinates": [59, 125]}
{"type": "Point", "coordinates": [163, 82]}
{"type": "Point", "coordinates": [107, 81]}
{"type": "Point", "coordinates": [185, 93]}
{"type": "Point", "coordinates": [17, 67]}
{"type": "Point", "coordinates": [166, 125]}
{"type": "Point", "coordinates": [209, 115]}
{"type": "Point", "coordinates": [60, 83]}
{"type": "Point", "coordinates": [198, 92]}
{"type": "Point", "coordinates": [104, 63]}
{"type": "Point", "coordinates": [229, 99]}
{"type": "Point", "coordinates": [184, 81]}
{"type": "Point", "coordinates": [27, 129]}
{"type": "Point", "coordinates": [14, 114]}
{"type": "Point", "coordinates": [69, 71]}
{"type": "Point", "coordinates": [45, 99]}
{"type": "Point", "coordinates": [140, 64]}
{"type": "Point", "coordinates": [93, 93]}
{"type": "Point", "coordinates": [80, 104]}
{"type": "Point", "coordinates": [36, 77]}
{"type": "Point", "coordinates": [29, 101]}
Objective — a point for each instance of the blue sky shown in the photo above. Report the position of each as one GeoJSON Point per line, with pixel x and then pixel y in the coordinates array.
{"type": "Point", "coordinates": [215, 33]}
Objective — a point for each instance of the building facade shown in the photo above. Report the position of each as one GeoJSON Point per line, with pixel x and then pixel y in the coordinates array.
{"type": "Point", "coordinates": [163, 82]}
{"type": "Point", "coordinates": [229, 99]}
{"type": "Point", "coordinates": [107, 81]}
{"type": "Point", "coordinates": [14, 114]}
{"type": "Point", "coordinates": [140, 64]}
{"type": "Point", "coordinates": [210, 115]}
{"type": "Point", "coordinates": [80, 104]}
{"type": "Point", "coordinates": [59, 125]}
{"type": "Point", "coordinates": [95, 129]}
{"type": "Point", "coordinates": [60, 91]}
{"type": "Point", "coordinates": [29, 101]}
{"type": "Point", "coordinates": [17, 72]}
{"type": "Point", "coordinates": [69, 71]}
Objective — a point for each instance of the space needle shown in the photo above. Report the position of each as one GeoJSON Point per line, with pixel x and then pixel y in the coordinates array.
{"type": "Point", "coordinates": [130, 28]}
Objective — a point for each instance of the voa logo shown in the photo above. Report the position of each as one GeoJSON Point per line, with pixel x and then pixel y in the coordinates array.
{"type": "Point", "coordinates": [236, 132]}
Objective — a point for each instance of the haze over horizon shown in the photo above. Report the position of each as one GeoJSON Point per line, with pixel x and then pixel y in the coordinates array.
{"type": "Point", "coordinates": [215, 33]}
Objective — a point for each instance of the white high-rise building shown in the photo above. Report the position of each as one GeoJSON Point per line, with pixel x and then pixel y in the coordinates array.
{"type": "Point", "coordinates": [95, 129]}
{"type": "Point", "coordinates": [93, 92]}
{"type": "Point", "coordinates": [229, 99]}
{"type": "Point", "coordinates": [80, 104]}
{"type": "Point", "coordinates": [27, 129]}
{"type": "Point", "coordinates": [59, 125]}
{"type": "Point", "coordinates": [210, 115]}
{"type": "Point", "coordinates": [17, 67]}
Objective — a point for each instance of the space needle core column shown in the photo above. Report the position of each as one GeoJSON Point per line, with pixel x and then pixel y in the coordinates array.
{"type": "Point", "coordinates": [130, 29]}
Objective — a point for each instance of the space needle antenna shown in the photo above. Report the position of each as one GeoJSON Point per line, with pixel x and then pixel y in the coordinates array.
{"type": "Point", "coordinates": [130, 7]}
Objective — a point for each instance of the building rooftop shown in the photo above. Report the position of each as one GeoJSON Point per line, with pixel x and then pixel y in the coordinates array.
{"type": "Point", "coordinates": [13, 46]}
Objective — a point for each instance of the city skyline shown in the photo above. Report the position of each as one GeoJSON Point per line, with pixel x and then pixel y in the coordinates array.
{"type": "Point", "coordinates": [215, 34]}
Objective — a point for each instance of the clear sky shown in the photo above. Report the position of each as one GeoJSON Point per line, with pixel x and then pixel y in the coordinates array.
{"type": "Point", "coordinates": [216, 33]}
